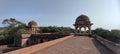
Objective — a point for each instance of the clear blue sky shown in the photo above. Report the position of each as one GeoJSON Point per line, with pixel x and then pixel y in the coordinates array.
{"type": "Point", "coordinates": [103, 13]}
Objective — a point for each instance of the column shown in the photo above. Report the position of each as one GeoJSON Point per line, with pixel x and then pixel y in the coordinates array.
{"type": "Point", "coordinates": [76, 30]}
{"type": "Point", "coordinates": [31, 30]}
{"type": "Point", "coordinates": [85, 30]}
{"type": "Point", "coordinates": [79, 30]}
{"type": "Point", "coordinates": [89, 29]}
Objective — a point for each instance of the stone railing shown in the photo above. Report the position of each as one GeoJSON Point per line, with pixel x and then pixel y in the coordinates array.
{"type": "Point", "coordinates": [111, 45]}
{"type": "Point", "coordinates": [34, 48]}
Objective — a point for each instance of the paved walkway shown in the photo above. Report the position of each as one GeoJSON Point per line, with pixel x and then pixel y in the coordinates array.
{"type": "Point", "coordinates": [76, 45]}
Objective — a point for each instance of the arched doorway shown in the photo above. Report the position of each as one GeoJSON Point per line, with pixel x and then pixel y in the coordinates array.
{"type": "Point", "coordinates": [83, 25]}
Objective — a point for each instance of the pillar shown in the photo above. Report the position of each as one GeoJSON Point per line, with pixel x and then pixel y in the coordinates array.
{"type": "Point", "coordinates": [85, 29]}
{"type": "Point", "coordinates": [89, 29]}
{"type": "Point", "coordinates": [76, 30]}
{"type": "Point", "coordinates": [79, 30]}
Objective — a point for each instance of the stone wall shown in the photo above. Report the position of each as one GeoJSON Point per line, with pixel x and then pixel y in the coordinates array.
{"type": "Point", "coordinates": [20, 40]}
{"type": "Point", "coordinates": [111, 45]}
{"type": "Point", "coordinates": [37, 47]}
{"type": "Point", "coordinates": [23, 40]}
{"type": "Point", "coordinates": [2, 47]}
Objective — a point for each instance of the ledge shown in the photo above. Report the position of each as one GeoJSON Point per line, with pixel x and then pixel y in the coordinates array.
{"type": "Point", "coordinates": [111, 45]}
{"type": "Point", "coordinates": [38, 47]}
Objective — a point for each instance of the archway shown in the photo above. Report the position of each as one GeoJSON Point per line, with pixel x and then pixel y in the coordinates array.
{"type": "Point", "coordinates": [83, 22]}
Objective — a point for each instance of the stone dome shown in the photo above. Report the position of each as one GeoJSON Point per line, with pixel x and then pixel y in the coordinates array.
{"type": "Point", "coordinates": [82, 20]}
{"type": "Point", "coordinates": [32, 24]}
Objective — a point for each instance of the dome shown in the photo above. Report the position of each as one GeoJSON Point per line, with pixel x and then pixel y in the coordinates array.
{"type": "Point", "coordinates": [32, 24]}
{"type": "Point", "coordinates": [82, 20]}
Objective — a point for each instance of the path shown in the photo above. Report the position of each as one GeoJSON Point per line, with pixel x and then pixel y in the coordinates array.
{"type": "Point", "coordinates": [76, 45]}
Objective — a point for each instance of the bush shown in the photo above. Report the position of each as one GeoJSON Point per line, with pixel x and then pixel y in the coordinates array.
{"type": "Point", "coordinates": [113, 35]}
{"type": "Point", "coordinates": [54, 29]}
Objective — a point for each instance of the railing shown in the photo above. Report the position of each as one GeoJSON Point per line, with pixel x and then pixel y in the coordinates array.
{"type": "Point", "coordinates": [111, 45]}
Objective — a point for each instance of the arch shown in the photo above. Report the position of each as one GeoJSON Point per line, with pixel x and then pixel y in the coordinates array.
{"type": "Point", "coordinates": [82, 21]}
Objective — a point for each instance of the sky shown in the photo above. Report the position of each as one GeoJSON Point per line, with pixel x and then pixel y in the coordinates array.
{"type": "Point", "coordinates": [102, 13]}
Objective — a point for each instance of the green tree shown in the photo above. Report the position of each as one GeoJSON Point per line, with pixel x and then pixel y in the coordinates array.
{"type": "Point", "coordinates": [13, 27]}
{"type": "Point", "coordinates": [113, 35]}
{"type": "Point", "coordinates": [12, 22]}
{"type": "Point", "coordinates": [55, 29]}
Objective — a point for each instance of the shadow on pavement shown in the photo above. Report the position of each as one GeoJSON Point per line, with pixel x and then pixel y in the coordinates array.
{"type": "Point", "coordinates": [102, 49]}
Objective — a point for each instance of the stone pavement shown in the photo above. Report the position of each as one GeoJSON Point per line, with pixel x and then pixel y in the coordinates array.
{"type": "Point", "coordinates": [76, 45]}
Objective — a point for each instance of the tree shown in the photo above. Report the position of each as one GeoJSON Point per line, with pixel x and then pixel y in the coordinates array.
{"type": "Point", "coordinates": [113, 35]}
{"type": "Point", "coordinates": [55, 29]}
{"type": "Point", "coordinates": [12, 22]}
{"type": "Point", "coordinates": [14, 27]}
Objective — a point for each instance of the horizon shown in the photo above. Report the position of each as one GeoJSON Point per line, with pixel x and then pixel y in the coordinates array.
{"type": "Point", "coordinates": [103, 14]}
